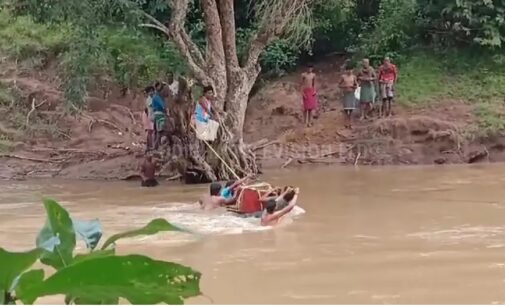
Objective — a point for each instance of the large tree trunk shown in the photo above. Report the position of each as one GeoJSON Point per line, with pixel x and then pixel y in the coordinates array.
{"type": "Point", "coordinates": [239, 88]}
{"type": "Point", "coordinates": [185, 151]}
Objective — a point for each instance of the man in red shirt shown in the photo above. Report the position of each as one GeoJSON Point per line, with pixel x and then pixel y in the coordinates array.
{"type": "Point", "coordinates": [388, 75]}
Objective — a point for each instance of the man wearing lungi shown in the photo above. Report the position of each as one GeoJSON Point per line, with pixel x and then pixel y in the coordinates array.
{"type": "Point", "coordinates": [309, 94]}
{"type": "Point", "coordinates": [388, 74]}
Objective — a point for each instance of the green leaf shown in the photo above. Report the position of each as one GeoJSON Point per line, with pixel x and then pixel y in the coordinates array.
{"type": "Point", "coordinates": [2, 296]}
{"type": "Point", "coordinates": [27, 282]}
{"type": "Point", "coordinates": [58, 225]}
{"type": "Point", "coordinates": [12, 264]}
{"type": "Point", "coordinates": [154, 227]}
{"type": "Point", "coordinates": [95, 254]}
{"type": "Point", "coordinates": [94, 301]}
{"type": "Point", "coordinates": [139, 279]}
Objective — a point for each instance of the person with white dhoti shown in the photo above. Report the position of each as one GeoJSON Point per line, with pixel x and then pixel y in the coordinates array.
{"type": "Point", "coordinates": [206, 127]}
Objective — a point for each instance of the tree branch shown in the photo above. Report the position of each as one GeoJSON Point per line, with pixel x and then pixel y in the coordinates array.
{"type": "Point", "coordinates": [215, 50]}
{"type": "Point", "coordinates": [176, 32]}
{"type": "Point", "coordinates": [275, 17]}
{"type": "Point", "coordinates": [227, 14]}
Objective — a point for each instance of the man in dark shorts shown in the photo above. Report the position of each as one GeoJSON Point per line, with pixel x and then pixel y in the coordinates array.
{"type": "Point", "coordinates": [148, 172]}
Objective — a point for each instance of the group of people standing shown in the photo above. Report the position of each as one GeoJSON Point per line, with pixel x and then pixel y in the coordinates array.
{"type": "Point", "coordinates": [155, 115]}
{"type": "Point", "coordinates": [359, 91]}
{"type": "Point", "coordinates": [155, 118]}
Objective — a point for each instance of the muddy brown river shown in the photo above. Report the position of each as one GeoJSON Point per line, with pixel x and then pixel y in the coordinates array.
{"type": "Point", "coordinates": [369, 235]}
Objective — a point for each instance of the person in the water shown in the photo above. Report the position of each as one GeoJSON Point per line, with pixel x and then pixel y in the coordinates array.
{"type": "Point", "coordinates": [230, 188]}
{"type": "Point", "coordinates": [148, 172]}
{"type": "Point", "coordinates": [282, 197]}
{"type": "Point", "coordinates": [271, 217]}
{"type": "Point", "coordinates": [214, 199]}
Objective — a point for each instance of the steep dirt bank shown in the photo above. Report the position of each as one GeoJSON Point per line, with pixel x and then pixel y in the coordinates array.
{"type": "Point", "coordinates": [443, 132]}
{"type": "Point", "coordinates": [106, 141]}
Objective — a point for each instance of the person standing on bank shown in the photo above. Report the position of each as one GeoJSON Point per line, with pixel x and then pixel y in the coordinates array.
{"type": "Point", "coordinates": [159, 114]}
{"type": "Point", "coordinates": [148, 118]}
{"type": "Point", "coordinates": [309, 94]}
{"type": "Point", "coordinates": [348, 84]}
{"type": "Point", "coordinates": [366, 79]}
{"type": "Point", "coordinates": [388, 75]}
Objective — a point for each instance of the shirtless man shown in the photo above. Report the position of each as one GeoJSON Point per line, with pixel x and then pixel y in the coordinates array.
{"type": "Point", "coordinates": [148, 172]}
{"type": "Point", "coordinates": [308, 88]}
{"type": "Point", "coordinates": [348, 84]}
{"type": "Point", "coordinates": [214, 199]}
{"type": "Point", "coordinates": [271, 217]}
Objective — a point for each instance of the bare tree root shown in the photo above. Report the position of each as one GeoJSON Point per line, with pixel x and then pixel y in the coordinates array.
{"type": "Point", "coordinates": [127, 110]}
{"type": "Point", "coordinates": [264, 145]}
{"type": "Point", "coordinates": [92, 121]}
{"type": "Point", "coordinates": [287, 163]}
{"type": "Point", "coordinates": [39, 160]}
{"type": "Point", "coordinates": [34, 107]}
{"type": "Point", "coordinates": [65, 151]}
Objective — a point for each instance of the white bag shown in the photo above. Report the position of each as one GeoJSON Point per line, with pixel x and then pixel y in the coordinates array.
{"type": "Point", "coordinates": [207, 130]}
{"type": "Point", "coordinates": [357, 93]}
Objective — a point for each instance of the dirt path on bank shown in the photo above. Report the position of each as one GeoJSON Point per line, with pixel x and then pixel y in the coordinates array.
{"type": "Point", "coordinates": [107, 141]}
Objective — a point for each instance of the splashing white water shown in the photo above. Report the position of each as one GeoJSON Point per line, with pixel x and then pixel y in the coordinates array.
{"type": "Point", "coordinates": [192, 218]}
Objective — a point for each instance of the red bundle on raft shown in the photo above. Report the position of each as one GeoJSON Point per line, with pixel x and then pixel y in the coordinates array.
{"type": "Point", "coordinates": [249, 199]}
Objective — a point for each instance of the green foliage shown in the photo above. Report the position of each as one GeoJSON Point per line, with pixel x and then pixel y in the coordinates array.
{"type": "Point", "coordinates": [57, 236]}
{"type": "Point", "coordinates": [138, 58]}
{"type": "Point", "coordinates": [490, 118]}
{"type": "Point", "coordinates": [90, 50]}
{"type": "Point", "coordinates": [465, 21]}
{"type": "Point", "coordinates": [5, 145]}
{"type": "Point", "coordinates": [155, 226]}
{"type": "Point", "coordinates": [280, 56]}
{"type": "Point", "coordinates": [421, 79]}
{"type": "Point", "coordinates": [336, 25]}
{"type": "Point", "coordinates": [137, 278]}
{"type": "Point", "coordinates": [456, 75]}
{"type": "Point", "coordinates": [98, 277]}
{"type": "Point", "coordinates": [7, 96]}
{"type": "Point", "coordinates": [23, 38]}
{"type": "Point", "coordinates": [13, 264]}
{"type": "Point", "coordinates": [27, 282]}
{"type": "Point", "coordinates": [391, 32]}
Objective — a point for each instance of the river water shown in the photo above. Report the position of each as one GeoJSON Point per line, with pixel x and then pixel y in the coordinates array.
{"type": "Point", "coordinates": [369, 235]}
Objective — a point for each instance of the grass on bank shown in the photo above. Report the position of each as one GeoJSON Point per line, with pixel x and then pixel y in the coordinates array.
{"type": "Point", "coordinates": [22, 38]}
{"type": "Point", "coordinates": [473, 78]}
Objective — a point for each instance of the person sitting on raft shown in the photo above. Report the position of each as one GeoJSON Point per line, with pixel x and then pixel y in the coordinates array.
{"type": "Point", "coordinates": [215, 199]}
{"type": "Point", "coordinates": [271, 217]}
